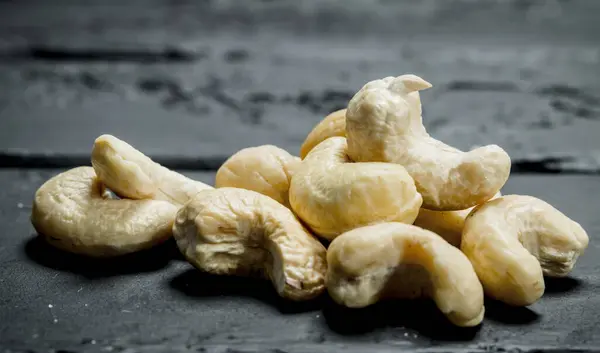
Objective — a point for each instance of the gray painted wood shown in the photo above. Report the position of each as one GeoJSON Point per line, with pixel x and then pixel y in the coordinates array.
{"type": "Point", "coordinates": [201, 80]}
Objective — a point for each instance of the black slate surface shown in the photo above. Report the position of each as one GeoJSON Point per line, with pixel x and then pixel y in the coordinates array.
{"type": "Point", "coordinates": [191, 82]}
{"type": "Point", "coordinates": [155, 301]}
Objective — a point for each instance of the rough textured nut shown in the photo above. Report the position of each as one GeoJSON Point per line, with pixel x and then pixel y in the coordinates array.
{"type": "Point", "coordinates": [71, 213]}
{"type": "Point", "coordinates": [514, 240]}
{"type": "Point", "coordinates": [447, 224]}
{"type": "Point", "coordinates": [265, 169]}
{"type": "Point", "coordinates": [384, 124]}
{"type": "Point", "coordinates": [333, 195]}
{"type": "Point", "coordinates": [230, 231]}
{"type": "Point", "coordinates": [334, 124]}
{"type": "Point", "coordinates": [129, 173]}
{"type": "Point", "coordinates": [395, 260]}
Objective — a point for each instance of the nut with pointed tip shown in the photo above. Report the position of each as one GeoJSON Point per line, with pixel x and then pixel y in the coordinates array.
{"type": "Point", "coordinates": [231, 231]}
{"type": "Point", "coordinates": [334, 124]}
{"type": "Point", "coordinates": [396, 260]}
{"type": "Point", "coordinates": [384, 124]}
{"type": "Point", "coordinates": [265, 169]}
{"type": "Point", "coordinates": [130, 173]}
{"type": "Point", "coordinates": [333, 195]}
{"type": "Point", "coordinates": [514, 240]}
{"type": "Point", "coordinates": [71, 211]}
{"type": "Point", "coordinates": [447, 224]}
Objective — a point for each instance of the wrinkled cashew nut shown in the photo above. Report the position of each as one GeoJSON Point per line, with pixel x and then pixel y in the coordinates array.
{"type": "Point", "coordinates": [130, 173]}
{"type": "Point", "coordinates": [72, 213]}
{"type": "Point", "coordinates": [230, 231]}
{"type": "Point", "coordinates": [265, 169]}
{"type": "Point", "coordinates": [447, 224]}
{"type": "Point", "coordinates": [333, 195]}
{"type": "Point", "coordinates": [384, 124]}
{"type": "Point", "coordinates": [333, 125]}
{"type": "Point", "coordinates": [395, 260]}
{"type": "Point", "coordinates": [514, 240]}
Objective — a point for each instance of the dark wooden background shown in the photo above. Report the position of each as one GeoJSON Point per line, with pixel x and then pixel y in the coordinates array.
{"type": "Point", "coordinates": [191, 82]}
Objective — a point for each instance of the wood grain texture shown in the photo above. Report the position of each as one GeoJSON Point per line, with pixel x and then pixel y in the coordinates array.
{"type": "Point", "coordinates": [201, 80]}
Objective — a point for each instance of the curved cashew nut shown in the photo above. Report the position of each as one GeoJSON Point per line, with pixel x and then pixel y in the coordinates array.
{"type": "Point", "coordinates": [70, 211]}
{"type": "Point", "coordinates": [265, 169]}
{"type": "Point", "coordinates": [332, 195]}
{"type": "Point", "coordinates": [129, 173]}
{"type": "Point", "coordinates": [395, 260]}
{"type": "Point", "coordinates": [230, 231]}
{"type": "Point", "coordinates": [384, 124]}
{"type": "Point", "coordinates": [334, 124]}
{"type": "Point", "coordinates": [514, 240]}
{"type": "Point", "coordinates": [447, 224]}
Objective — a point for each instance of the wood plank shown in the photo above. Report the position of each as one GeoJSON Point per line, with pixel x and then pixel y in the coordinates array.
{"type": "Point", "coordinates": [201, 80]}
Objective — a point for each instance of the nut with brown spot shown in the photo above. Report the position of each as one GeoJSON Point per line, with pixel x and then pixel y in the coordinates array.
{"type": "Point", "coordinates": [231, 231]}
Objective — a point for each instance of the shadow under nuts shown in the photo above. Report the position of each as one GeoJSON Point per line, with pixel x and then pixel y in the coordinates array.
{"type": "Point", "coordinates": [515, 240]}
{"type": "Point", "coordinates": [396, 260]}
{"type": "Point", "coordinates": [331, 194]}
{"type": "Point", "coordinates": [231, 231]}
{"type": "Point", "coordinates": [384, 124]}
{"type": "Point", "coordinates": [72, 213]}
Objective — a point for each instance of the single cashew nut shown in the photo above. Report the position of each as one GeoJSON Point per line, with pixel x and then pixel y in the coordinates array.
{"type": "Point", "coordinates": [130, 173]}
{"type": "Point", "coordinates": [230, 231]}
{"type": "Point", "coordinates": [265, 169]}
{"type": "Point", "coordinates": [333, 195]}
{"type": "Point", "coordinates": [71, 213]}
{"type": "Point", "coordinates": [334, 124]}
{"type": "Point", "coordinates": [396, 260]}
{"type": "Point", "coordinates": [384, 124]}
{"type": "Point", "coordinates": [447, 224]}
{"type": "Point", "coordinates": [514, 240]}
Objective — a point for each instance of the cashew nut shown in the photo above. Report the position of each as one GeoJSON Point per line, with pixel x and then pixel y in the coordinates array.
{"type": "Point", "coordinates": [447, 224]}
{"type": "Point", "coordinates": [231, 231]}
{"type": "Point", "coordinates": [129, 173]}
{"type": "Point", "coordinates": [333, 195]}
{"type": "Point", "coordinates": [265, 169]}
{"type": "Point", "coordinates": [395, 260]}
{"type": "Point", "coordinates": [71, 213]}
{"type": "Point", "coordinates": [384, 124]}
{"type": "Point", "coordinates": [514, 240]}
{"type": "Point", "coordinates": [334, 124]}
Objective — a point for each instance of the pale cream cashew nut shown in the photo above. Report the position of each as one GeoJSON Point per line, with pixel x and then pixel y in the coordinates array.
{"type": "Point", "coordinates": [333, 195]}
{"type": "Point", "coordinates": [396, 260]}
{"type": "Point", "coordinates": [231, 231]}
{"type": "Point", "coordinates": [384, 124]}
{"type": "Point", "coordinates": [334, 124]}
{"type": "Point", "coordinates": [72, 213]}
{"type": "Point", "coordinates": [447, 224]}
{"type": "Point", "coordinates": [514, 240]}
{"type": "Point", "coordinates": [265, 169]}
{"type": "Point", "coordinates": [130, 173]}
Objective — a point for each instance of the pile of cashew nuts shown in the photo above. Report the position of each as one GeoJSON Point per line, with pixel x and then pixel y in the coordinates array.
{"type": "Point", "coordinates": [403, 214]}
